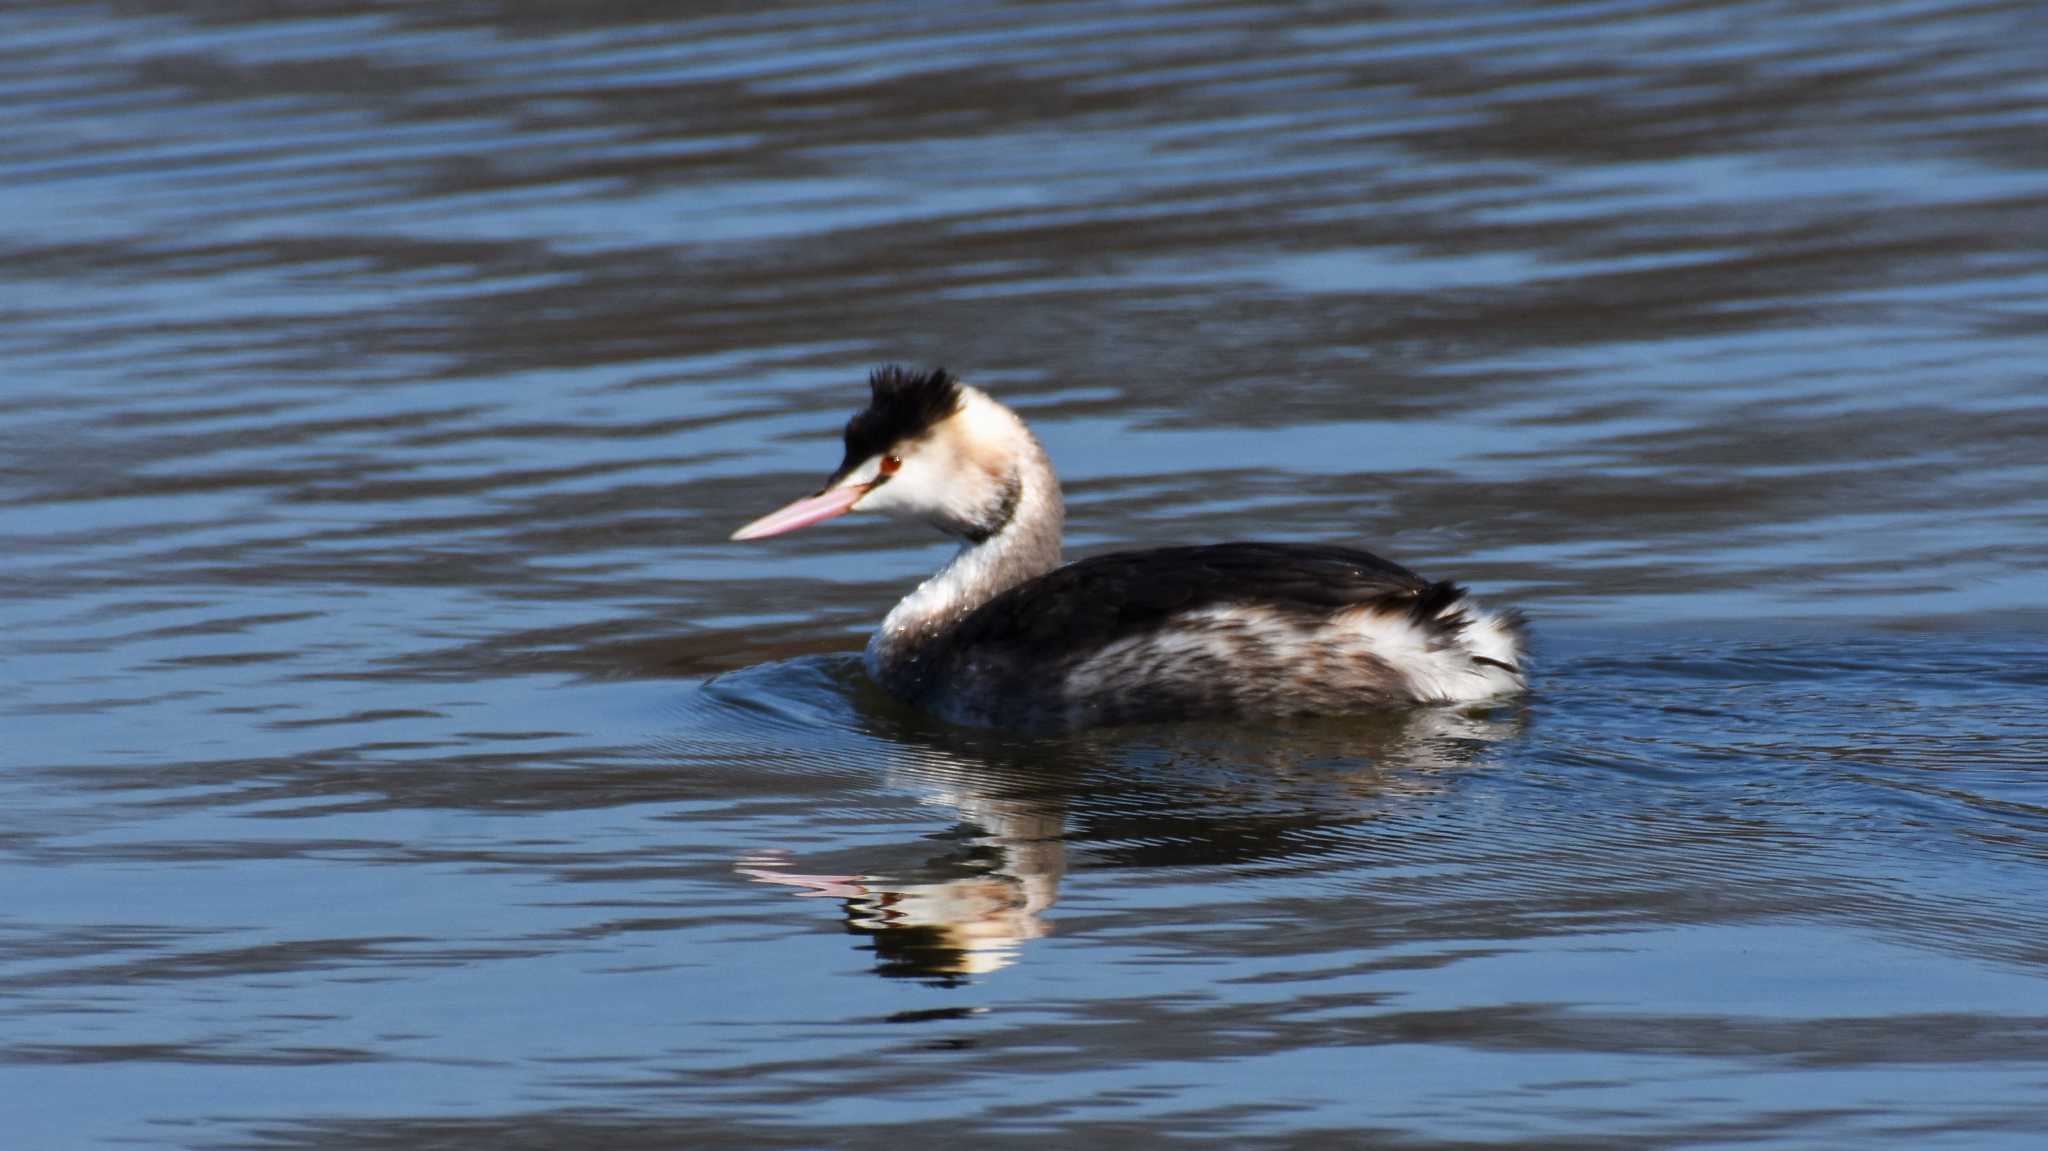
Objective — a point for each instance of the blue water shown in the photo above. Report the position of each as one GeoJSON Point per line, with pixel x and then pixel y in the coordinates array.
{"type": "Point", "coordinates": [394, 753]}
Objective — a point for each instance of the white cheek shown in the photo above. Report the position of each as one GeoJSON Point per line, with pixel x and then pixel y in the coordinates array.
{"type": "Point", "coordinates": [911, 489]}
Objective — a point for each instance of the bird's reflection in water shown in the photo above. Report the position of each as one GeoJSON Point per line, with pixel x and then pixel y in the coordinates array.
{"type": "Point", "coordinates": [1186, 793]}
{"type": "Point", "coordinates": [965, 911]}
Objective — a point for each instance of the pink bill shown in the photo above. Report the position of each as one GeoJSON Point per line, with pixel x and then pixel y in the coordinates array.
{"type": "Point", "coordinates": [804, 512]}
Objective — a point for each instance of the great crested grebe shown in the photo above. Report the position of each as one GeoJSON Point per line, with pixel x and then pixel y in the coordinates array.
{"type": "Point", "coordinates": [1004, 636]}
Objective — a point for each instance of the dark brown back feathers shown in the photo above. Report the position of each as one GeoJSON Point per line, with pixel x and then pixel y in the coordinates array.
{"type": "Point", "coordinates": [1098, 601]}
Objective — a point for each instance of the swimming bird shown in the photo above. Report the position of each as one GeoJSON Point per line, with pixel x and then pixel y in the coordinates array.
{"type": "Point", "coordinates": [1005, 635]}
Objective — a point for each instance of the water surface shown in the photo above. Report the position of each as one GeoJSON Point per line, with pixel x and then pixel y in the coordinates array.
{"type": "Point", "coordinates": [396, 754]}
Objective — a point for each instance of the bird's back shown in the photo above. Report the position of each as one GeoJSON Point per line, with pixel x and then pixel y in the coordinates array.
{"type": "Point", "coordinates": [1220, 630]}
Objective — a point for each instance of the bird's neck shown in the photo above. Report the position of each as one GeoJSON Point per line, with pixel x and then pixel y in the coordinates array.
{"type": "Point", "coordinates": [902, 654]}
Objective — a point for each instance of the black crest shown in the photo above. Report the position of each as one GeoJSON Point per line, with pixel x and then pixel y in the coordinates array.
{"type": "Point", "coordinates": [905, 404]}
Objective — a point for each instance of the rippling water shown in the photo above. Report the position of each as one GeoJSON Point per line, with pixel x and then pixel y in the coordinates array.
{"type": "Point", "coordinates": [396, 755]}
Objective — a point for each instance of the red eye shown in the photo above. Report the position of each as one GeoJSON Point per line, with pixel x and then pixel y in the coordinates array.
{"type": "Point", "coordinates": [890, 464]}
